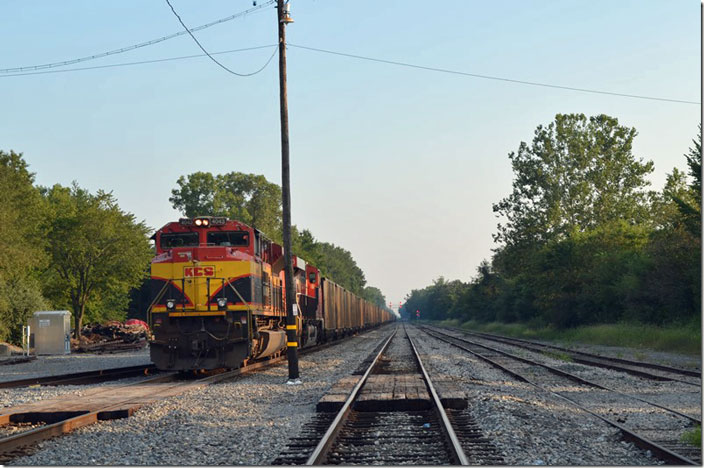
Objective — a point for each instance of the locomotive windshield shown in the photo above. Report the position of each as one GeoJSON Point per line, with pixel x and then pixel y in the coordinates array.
{"type": "Point", "coordinates": [228, 238]}
{"type": "Point", "coordinates": [181, 239]}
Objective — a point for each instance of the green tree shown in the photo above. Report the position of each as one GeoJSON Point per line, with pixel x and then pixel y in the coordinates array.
{"type": "Point", "coordinates": [375, 296]}
{"type": "Point", "coordinates": [337, 264]}
{"type": "Point", "coordinates": [578, 173]}
{"type": "Point", "coordinates": [248, 198]}
{"type": "Point", "coordinates": [690, 203]}
{"type": "Point", "coordinates": [98, 253]}
{"type": "Point", "coordinates": [22, 242]}
{"type": "Point", "coordinates": [253, 200]}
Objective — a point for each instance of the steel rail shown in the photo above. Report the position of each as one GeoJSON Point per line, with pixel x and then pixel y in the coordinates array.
{"type": "Point", "coordinates": [663, 453]}
{"type": "Point", "coordinates": [512, 340]}
{"type": "Point", "coordinates": [457, 451]}
{"type": "Point", "coordinates": [27, 438]}
{"type": "Point", "coordinates": [10, 443]}
{"type": "Point", "coordinates": [7, 444]}
{"type": "Point", "coordinates": [575, 378]}
{"type": "Point", "coordinates": [321, 450]}
{"type": "Point", "coordinates": [78, 378]}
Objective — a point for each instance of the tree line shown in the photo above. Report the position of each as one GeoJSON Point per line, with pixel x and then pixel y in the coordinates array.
{"type": "Point", "coordinates": [582, 240]}
{"type": "Point", "coordinates": [255, 201]}
{"type": "Point", "coordinates": [64, 248]}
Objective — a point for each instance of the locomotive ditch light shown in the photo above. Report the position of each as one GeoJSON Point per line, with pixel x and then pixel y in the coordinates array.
{"type": "Point", "coordinates": [222, 303]}
{"type": "Point", "coordinates": [170, 304]}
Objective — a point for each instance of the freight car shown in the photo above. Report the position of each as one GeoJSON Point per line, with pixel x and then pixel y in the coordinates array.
{"type": "Point", "coordinates": [219, 297]}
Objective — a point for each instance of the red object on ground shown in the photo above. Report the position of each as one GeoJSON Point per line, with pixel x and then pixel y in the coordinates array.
{"type": "Point", "coordinates": [137, 322]}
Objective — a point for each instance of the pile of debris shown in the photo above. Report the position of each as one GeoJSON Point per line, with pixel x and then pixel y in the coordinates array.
{"type": "Point", "coordinates": [112, 337]}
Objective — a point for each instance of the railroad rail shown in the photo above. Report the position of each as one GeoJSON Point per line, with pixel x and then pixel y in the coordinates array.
{"type": "Point", "coordinates": [663, 440]}
{"type": "Point", "coordinates": [64, 414]}
{"type": "Point", "coordinates": [646, 370]}
{"type": "Point", "coordinates": [393, 431]}
{"type": "Point", "coordinates": [352, 433]}
{"type": "Point", "coordinates": [84, 378]}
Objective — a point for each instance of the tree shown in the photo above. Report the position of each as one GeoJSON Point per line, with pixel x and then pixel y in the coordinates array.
{"type": "Point", "coordinates": [375, 296]}
{"type": "Point", "coordinates": [578, 173]}
{"type": "Point", "coordinates": [253, 200]}
{"type": "Point", "coordinates": [337, 264]}
{"type": "Point", "coordinates": [248, 198]}
{"type": "Point", "coordinates": [98, 252]}
{"type": "Point", "coordinates": [22, 242]}
{"type": "Point", "coordinates": [690, 204]}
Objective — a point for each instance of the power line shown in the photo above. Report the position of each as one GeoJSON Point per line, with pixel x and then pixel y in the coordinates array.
{"type": "Point", "coordinates": [488, 77]}
{"type": "Point", "coordinates": [210, 56]}
{"type": "Point", "coordinates": [142, 62]}
{"type": "Point", "coordinates": [135, 46]}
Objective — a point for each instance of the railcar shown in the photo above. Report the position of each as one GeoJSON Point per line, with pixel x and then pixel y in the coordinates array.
{"type": "Point", "coordinates": [219, 297]}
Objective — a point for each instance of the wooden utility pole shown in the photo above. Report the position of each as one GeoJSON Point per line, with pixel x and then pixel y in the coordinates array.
{"type": "Point", "coordinates": [291, 332]}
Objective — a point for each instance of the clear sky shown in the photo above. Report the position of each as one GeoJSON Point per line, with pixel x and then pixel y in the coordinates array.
{"type": "Point", "coordinates": [400, 166]}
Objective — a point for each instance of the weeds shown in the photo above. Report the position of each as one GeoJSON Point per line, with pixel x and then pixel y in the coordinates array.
{"type": "Point", "coordinates": [673, 338]}
{"type": "Point", "coordinates": [693, 437]}
{"type": "Point", "coordinates": [558, 355]}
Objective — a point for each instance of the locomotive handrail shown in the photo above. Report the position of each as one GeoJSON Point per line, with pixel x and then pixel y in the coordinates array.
{"type": "Point", "coordinates": [156, 299]}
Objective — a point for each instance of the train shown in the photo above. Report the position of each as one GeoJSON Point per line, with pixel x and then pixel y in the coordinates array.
{"type": "Point", "coordinates": [218, 298]}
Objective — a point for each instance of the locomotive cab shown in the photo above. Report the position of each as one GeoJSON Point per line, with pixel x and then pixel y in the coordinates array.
{"type": "Point", "coordinates": [215, 300]}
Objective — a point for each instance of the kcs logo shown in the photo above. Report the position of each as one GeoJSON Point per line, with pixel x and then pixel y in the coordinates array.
{"type": "Point", "coordinates": [190, 272]}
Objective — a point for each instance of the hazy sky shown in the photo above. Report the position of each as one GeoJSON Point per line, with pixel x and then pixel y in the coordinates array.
{"type": "Point", "coordinates": [400, 166]}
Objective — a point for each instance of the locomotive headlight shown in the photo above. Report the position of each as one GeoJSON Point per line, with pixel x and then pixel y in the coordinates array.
{"type": "Point", "coordinates": [170, 304]}
{"type": "Point", "coordinates": [198, 222]}
{"type": "Point", "coordinates": [206, 222]}
{"type": "Point", "coordinates": [222, 303]}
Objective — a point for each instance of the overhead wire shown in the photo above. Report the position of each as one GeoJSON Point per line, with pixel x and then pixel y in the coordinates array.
{"type": "Point", "coordinates": [136, 46]}
{"type": "Point", "coordinates": [210, 56]}
{"type": "Point", "coordinates": [489, 77]}
{"type": "Point", "coordinates": [141, 62]}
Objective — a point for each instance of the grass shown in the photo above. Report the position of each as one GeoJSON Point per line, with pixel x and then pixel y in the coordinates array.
{"type": "Point", "coordinates": [558, 355]}
{"type": "Point", "coordinates": [693, 437]}
{"type": "Point", "coordinates": [685, 339]}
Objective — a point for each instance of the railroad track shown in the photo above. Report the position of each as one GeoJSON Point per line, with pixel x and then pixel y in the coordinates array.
{"type": "Point", "coordinates": [84, 378]}
{"type": "Point", "coordinates": [646, 370]}
{"type": "Point", "coordinates": [373, 428]}
{"type": "Point", "coordinates": [64, 414]}
{"type": "Point", "coordinates": [647, 424]}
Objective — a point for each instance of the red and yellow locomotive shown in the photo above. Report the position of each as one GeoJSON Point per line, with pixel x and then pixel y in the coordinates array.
{"type": "Point", "coordinates": [219, 299]}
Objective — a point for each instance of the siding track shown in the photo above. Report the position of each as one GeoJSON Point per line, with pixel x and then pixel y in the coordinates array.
{"type": "Point", "coordinates": [649, 425]}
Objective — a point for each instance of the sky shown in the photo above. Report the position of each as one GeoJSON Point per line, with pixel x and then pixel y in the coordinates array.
{"type": "Point", "coordinates": [399, 166]}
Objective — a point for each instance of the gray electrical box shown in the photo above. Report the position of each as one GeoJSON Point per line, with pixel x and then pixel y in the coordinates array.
{"type": "Point", "coordinates": [51, 332]}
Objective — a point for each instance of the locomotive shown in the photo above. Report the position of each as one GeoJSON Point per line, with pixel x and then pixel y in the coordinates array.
{"type": "Point", "coordinates": [219, 298]}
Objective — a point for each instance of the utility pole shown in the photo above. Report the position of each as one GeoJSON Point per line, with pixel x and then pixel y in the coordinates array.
{"type": "Point", "coordinates": [284, 17]}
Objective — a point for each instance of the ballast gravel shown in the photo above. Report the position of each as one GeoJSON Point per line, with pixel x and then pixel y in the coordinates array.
{"type": "Point", "coordinates": [70, 363]}
{"type": "Point", "coordinates": [24, 395]}
{"type": "Point", "coordinates": [528, 426]}
{"type": "Point", "coordinates": [244, 421]}
{"type": "Point", "coordinates": [683, 397]}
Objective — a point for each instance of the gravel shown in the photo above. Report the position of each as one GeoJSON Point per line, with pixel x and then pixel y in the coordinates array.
{"type": "Point", "coordinates": [21, 396]}
{"type": "Point", "coordinates": [70, 363]}
{"type": "Point", "coordinates": [677, 395]}
{"type": "Point", "coordinates": [243, 421]}
{"type": "Point", "coordinates": [530, 427]}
